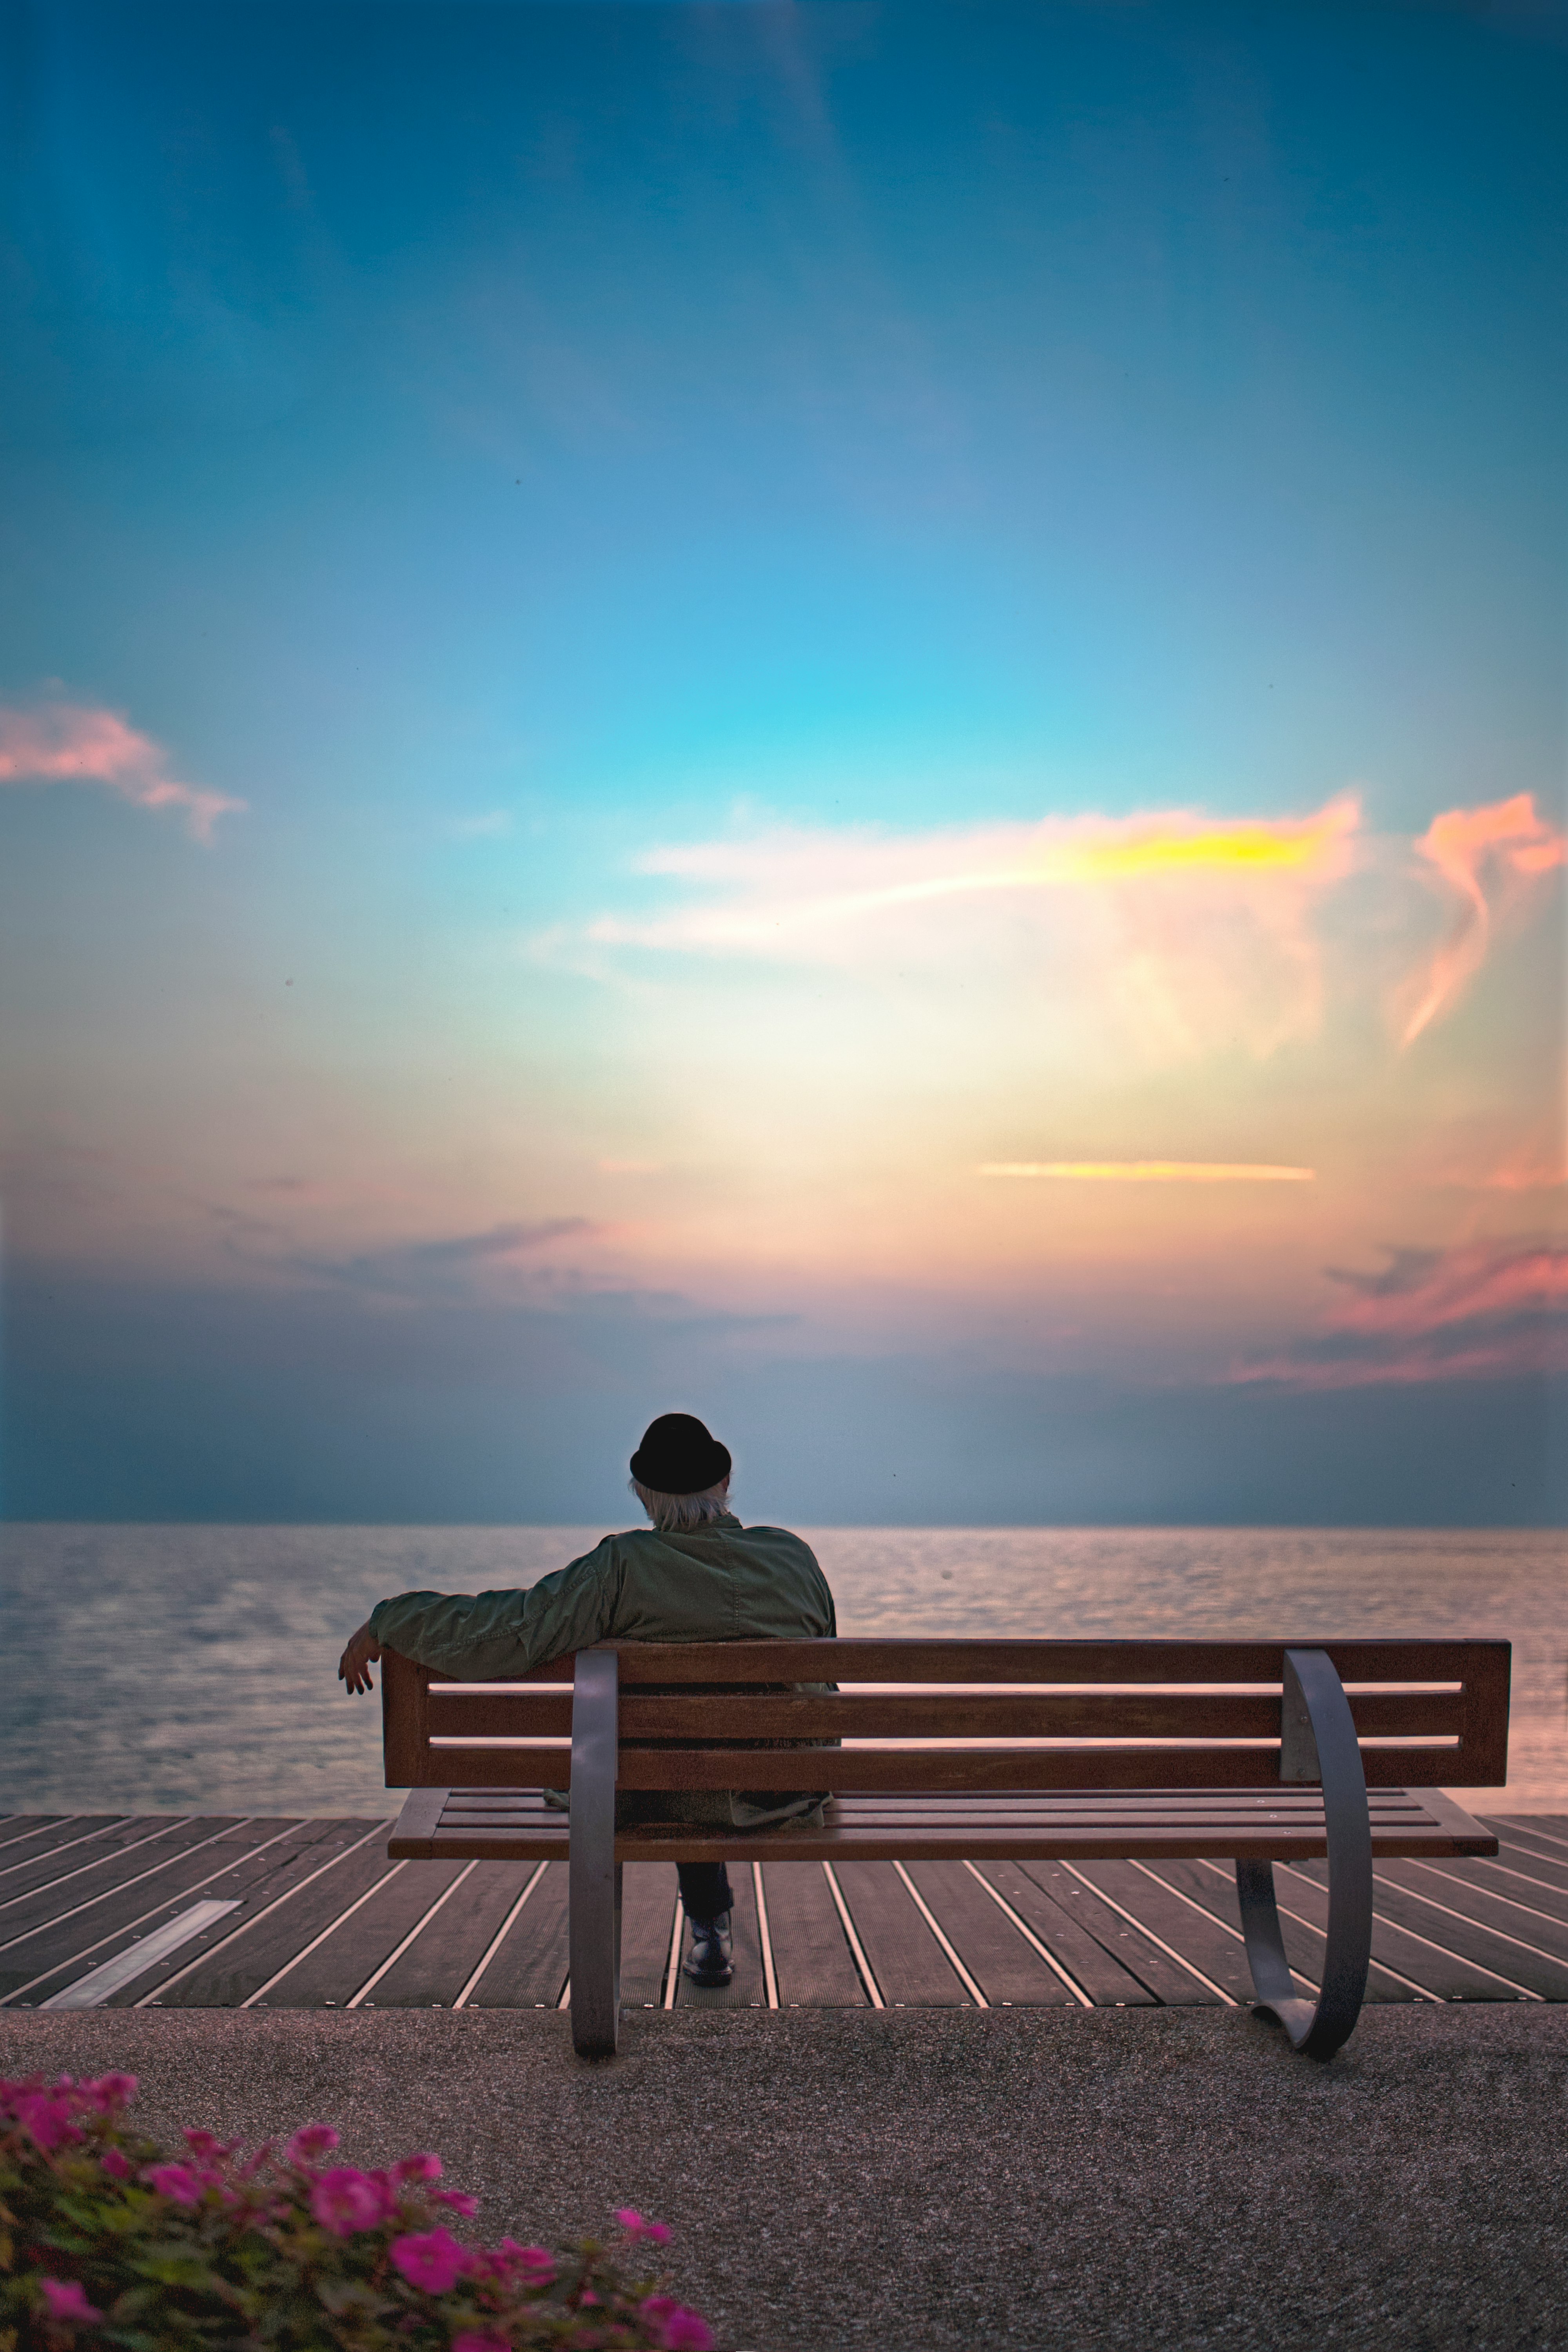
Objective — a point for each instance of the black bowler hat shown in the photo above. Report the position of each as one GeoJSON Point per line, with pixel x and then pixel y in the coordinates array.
{"type": "Point", "coordinates": [678, 1457]}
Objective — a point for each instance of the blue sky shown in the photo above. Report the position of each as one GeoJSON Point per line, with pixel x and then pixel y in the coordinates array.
{"type": "Point", "coordinates": [707, 542]}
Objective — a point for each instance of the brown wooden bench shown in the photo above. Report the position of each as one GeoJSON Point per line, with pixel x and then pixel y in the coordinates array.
{"type": "Point", "coordinates": [1254, 1752]}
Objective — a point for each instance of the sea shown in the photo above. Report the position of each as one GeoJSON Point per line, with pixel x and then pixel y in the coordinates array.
{"type": "Point", "coordinates": [194, 1668]}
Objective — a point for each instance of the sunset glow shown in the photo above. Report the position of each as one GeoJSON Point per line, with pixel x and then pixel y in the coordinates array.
{"type": "Point", "coordinates": [849, 718]}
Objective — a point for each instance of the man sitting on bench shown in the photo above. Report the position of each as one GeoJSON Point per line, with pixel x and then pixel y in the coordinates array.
{"type": "Point", "coordinates": [696, 1575]}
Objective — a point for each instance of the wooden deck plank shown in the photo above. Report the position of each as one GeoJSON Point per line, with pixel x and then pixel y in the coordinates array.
{"type": "Point", "coordinates": [811, 1959]}
{"type": "Point", "coordinates": [1511, 1913]}
{"type": "Point", "coordinates": [1007, 1969]}
{"type": "Point", "coordinates": [1507, 1915]}
{"type": "Point", "coordinates": [1522, 1849]}
{"type": "Point", "coordinates": [647, 1910]}
{"type": "Point", "coordinates": [218, 1969]}
{"type": "Point", "coordinates": [69, 1949]}
{"type": "Point", "coordinates": [1514, 1956]}
{"type": "Point", "coordinates": [744, 1989]}
{"type": "Point", "coordinates": [529, 1970]}
{"type": "Point", "coordinates": [445, 1954]}
{"type": "Point", "coordinates": [91, 1934]}
{"type": "Point", "coordinates": [908, 1964]}
{"type": "Point", "coordinates": [41, 1853]}
{"type": "Point", "coordinates": [14, 1826]}
{"type": "Point", "coordinates": [1511, 1883]}
{"type": "Point", "coordinates": [1216, 1895]}
{"type": "Point", "coordinates": [131, 1860]}
{"type": "Point", "coordinates": [1170, 1984]}
{"type": "Point", "coordinates": [280, 1942]}
{"type": "Point", "coordinates": [1197, 1936]}
{"type": "Point", "coordinates": [1093, 1969]}
{"type": "Point", "coordinates": [1421, 1953]}
{"type": "Point", "coordinates": [335, 1970]}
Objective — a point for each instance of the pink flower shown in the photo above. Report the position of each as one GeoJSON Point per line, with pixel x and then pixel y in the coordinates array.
{"type": "Point", "coordinates": [67, 2299]}
{"type": "Point", "coordinates": [117, 2164]}
{"type": "Point", "coordinates": [458, 2199]}
{"type": "Point", "coordinates": [111, 2091]}
{"type": "Point", "coordinates": [533, 2265]}
{"type": "Point", "coordinates": [345, 2201]}
{"type": "Point", "coordinates": [630, 2220]}
{"type": "Point", "coordinates": [46, 2121]}
{"type": "Point", "coordinates": [656, 2309]}
{"type": "Point", "coordinates": [417, 2168]}
{"type": "Point", "coordinates": [657, 2233]}
{"type": "Point", "coordinates": [175, 2181]}
{"type": "Point", "coordinates": [432, 2261]}
{"type": "Point", "coordinates": [687, 2331]}
{"type": "Point", "coordinates": [479, 2339]}
{"type": "Point", "coordinates": [311, 2141]}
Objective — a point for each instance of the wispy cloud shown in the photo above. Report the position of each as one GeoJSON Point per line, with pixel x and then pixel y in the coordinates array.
{"type": "Point", "coordinates": [1479, 1310]}
{"type": "Point", "coordinates": [421, 1268]}
{"type": "Point", "coordinates": [64, 742]}
{"type": "Point", "coordinates": [1151, 1171]}
{"type": "Point", "coordinates": [1490, 857]}
{"type": "Point", "coordinates": [1181, 931]}
{"type": "Point", "coordinates": [789, 888]}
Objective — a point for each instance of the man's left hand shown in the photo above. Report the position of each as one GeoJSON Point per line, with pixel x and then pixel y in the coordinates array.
{"type": "Point", "coordinates": [354, 1665]}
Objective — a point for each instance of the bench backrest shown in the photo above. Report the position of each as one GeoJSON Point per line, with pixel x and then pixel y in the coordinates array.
{"type": "Point", "coordinates": [1160, 1715]}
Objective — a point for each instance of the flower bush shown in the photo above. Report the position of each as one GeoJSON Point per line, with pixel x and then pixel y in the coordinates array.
{"type": "Point", "coordinates": [105, 2239]}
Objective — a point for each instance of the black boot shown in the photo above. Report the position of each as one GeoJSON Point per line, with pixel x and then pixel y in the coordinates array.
{"type": "Point", "coordinates": [709, 1960]}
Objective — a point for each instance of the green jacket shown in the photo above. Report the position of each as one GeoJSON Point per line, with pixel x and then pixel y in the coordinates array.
{"type": "Point", "coordinates": [722, 1582]}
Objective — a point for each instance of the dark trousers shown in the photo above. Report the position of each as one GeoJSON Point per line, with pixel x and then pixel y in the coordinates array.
{"type": "Point", "coordinates": [704, 1889]}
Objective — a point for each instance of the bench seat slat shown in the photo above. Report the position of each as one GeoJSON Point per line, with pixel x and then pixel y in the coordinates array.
{"type": "Point", "coordinates": [1405, 1824]}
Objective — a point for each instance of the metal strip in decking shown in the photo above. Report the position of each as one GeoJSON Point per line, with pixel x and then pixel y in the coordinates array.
{"type": "Point", "coordinates": [327, 1921]}
{"type": "Point", "coordinates": [126, 1928]}
{"type": "Point", "coordinates": [203, 1983]}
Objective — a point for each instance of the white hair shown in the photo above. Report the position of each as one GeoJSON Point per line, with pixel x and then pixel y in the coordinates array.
{"type": "Point", "coordinates": [675, 1514]}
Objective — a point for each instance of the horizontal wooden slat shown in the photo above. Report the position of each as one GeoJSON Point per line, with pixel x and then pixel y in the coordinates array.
{"type": "Point", "coordinates": [1483, 1663]}
{"type": "Point", "coordinates": [1404, 1824]}
{"type": "Point", "coordinates": [856, 1714]}
{"type": "Point", "coordinates": [514, 1713]}
{"type": "Point", "coordinates": [933, 1769]}
{"type": "Point", "coordinates": [982, 1767]}
{"type": "Point", "coordinates": [1052, 1661]}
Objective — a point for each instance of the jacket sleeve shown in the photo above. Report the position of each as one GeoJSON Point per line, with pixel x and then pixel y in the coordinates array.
{"type": "Point", "coordinates": [488, 1636]}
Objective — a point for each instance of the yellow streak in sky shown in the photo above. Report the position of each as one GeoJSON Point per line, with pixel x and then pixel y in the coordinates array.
{"type": "Point", "coordinates": [1259, 847]}
{"type": "Point", "coordinates": [1151, 1171]}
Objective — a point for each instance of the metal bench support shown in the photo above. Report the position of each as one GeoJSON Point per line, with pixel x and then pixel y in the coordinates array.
{"type": "Point", "coordinates": [594, 1873]}
{"type": "Point", "coordinates": [1317, 1742]}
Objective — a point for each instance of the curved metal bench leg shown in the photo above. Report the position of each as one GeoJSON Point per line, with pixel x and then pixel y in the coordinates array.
{"type": "Point", "coordinates": [594, 1873]}
{"type": "Point", "coordinates": [1319, 1743]}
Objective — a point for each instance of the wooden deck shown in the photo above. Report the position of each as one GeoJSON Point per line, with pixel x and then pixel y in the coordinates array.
{"type": "Point", "coordinates": [205, 1911]}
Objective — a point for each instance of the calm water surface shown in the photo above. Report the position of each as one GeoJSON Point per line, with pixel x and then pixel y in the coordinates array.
{"type": "Point", "coordinates": [194, 1668]}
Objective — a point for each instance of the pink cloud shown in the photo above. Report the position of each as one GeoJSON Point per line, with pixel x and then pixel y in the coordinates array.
{"type": "Point", "coordinates": [1505, 843]}
{"type": "Point", "coordinates": [1480, 1310]}
{"type": "Point", "coordinates": [64, 742]}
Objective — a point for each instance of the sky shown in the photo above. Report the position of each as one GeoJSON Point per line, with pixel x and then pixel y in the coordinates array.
{"type": "Point", "coordinates": [845, 715]}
